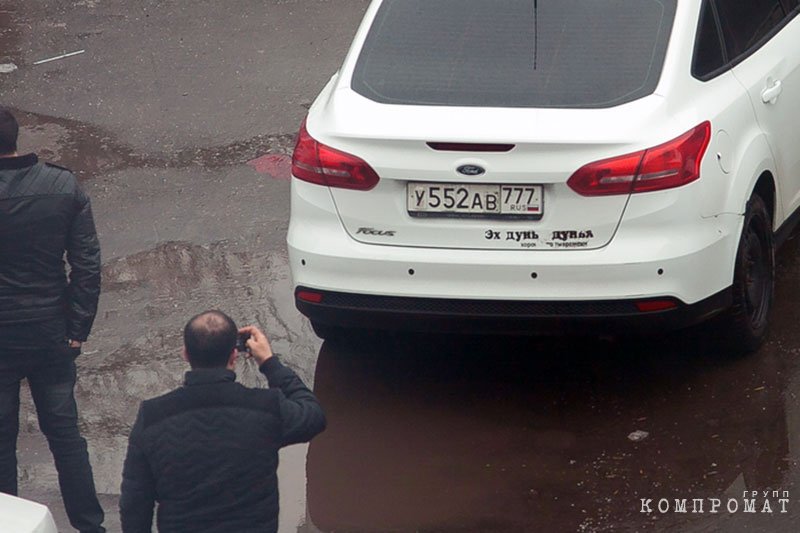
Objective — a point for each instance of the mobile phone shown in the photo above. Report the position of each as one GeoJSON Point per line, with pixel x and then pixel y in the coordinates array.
{"type": "Point", "coordinates": [241, 342]}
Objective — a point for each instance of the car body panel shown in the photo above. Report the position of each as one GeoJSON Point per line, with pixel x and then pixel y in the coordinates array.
{"type": "Point", "coordinates": [774, 63]}
{"type": "Point", "coordinates": [550, 145]}
{"type": "Point", "coordinates": [322, 255]}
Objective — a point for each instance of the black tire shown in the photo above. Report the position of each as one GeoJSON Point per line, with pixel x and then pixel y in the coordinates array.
{"type": "Point", "coordinates": [745, 324]}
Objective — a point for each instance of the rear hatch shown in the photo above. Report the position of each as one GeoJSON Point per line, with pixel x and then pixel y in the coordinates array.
{"type": "Point", "coordinates": [475, 118]}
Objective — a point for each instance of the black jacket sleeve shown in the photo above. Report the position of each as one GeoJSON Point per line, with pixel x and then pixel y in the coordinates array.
{"type": "Point", "coordinates": [301, 414]}
{"type": "Point", "coordinates": [83, 255]}
{"type": "Point", "coordinates": [138, 493]}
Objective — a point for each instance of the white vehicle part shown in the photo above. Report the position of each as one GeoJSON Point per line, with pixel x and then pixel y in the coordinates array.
{"type": "Point", "coordinates": [724, 103]}
{"type": "Point", "coordinates": [653, 257]}
{"type": "Point", "coordinates": [771, 75]}
{"type": "Point", "coordinates": [723, 151]}
{"type": "Point", "coordinates": [18, 515]}
{"type": "Point", "coordinates": [553, 144]}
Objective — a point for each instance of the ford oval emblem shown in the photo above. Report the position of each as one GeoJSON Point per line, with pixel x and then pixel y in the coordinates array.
{"type": "Point", "coordinates": [470, 170]}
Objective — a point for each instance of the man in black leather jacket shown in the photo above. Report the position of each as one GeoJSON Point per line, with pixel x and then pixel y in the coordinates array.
{"type": "Point", "coordinates": [45, 315]}
{"type": "Point", "coordinates": [207, 452]}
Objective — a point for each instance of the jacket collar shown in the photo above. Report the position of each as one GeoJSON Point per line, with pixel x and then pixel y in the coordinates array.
{"type": "Point", "coordinates": [18, 162]}
{"type": "Point", "coordinates": [207, 376]}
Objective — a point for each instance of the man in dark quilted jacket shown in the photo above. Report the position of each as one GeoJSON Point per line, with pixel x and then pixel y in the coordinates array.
{"type": "Point", "coordinates": [45, 314]}
{"type": "Point", "coordinates": [207, 452]}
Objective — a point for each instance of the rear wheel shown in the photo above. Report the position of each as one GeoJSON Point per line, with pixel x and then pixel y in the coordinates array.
{"type": "Point", "coordinates": [746, 322]}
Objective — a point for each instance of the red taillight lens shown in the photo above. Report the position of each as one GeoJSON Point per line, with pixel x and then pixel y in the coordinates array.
{"type": "Point", "coordinates": [649, 306]}
{"type": "Point", "coordinates": [609, 176]}
{"type": "Point", "coordinates": [314, 162]}
{"type": "Point", "coordinates": [668, 165]}
{"type": "Point", "coordinates": [310, 296]}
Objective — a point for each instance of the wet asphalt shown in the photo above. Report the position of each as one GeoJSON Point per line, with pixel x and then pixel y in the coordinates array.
{"type": "Point", "coordinates": [178, 119]}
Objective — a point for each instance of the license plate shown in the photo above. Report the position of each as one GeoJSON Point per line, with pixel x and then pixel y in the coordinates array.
{"type": "Point", "coordinates": [475, 200]}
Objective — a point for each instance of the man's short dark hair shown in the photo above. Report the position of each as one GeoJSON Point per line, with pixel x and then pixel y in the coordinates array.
{"type": "Point", "coordinates": [9, 132]}
{"type": "Point", "coordinates": [209, 338]}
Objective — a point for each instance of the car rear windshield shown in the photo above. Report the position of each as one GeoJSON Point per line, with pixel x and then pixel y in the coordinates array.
{"type": "Point", "coordinates": [514, 53]}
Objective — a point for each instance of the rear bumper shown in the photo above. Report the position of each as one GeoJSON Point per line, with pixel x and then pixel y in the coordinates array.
{"type": "Point", "coordinates": [655, 254]}
{"type": "Point", "coordinates": [353, 310]}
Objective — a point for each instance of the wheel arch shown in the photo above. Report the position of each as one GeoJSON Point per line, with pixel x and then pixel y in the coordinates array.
{"type": "Point", "coordinates": [765, 188]}
{"type": "Point", "coordinates": [755, 173]}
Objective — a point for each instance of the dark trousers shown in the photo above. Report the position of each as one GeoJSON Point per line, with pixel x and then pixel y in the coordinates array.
{"type": "Point", "coordinates": [52, 381]}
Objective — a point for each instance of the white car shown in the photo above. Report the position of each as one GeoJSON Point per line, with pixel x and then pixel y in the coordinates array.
{"type": "Point", "coordinates": [18, 515]}
{"type": "Point", "coordinates": [531, 165]}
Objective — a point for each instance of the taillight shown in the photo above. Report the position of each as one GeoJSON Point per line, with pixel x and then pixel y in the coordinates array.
{"type": "Point", "coordinates": [649, 306]}
{"type": "Point", "coordinates": [668, 165]}
{"type": "Point", "coordinates": [310, 296]}
{"type": "Point", "coordinates": [314, 162]}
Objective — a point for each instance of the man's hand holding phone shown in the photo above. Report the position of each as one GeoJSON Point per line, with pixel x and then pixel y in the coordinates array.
{"type": "Point", "coordinates": [257, 344]}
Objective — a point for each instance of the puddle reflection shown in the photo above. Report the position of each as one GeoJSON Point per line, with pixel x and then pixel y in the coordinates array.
{"type": "Point", "coordinates": [438, 434]}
